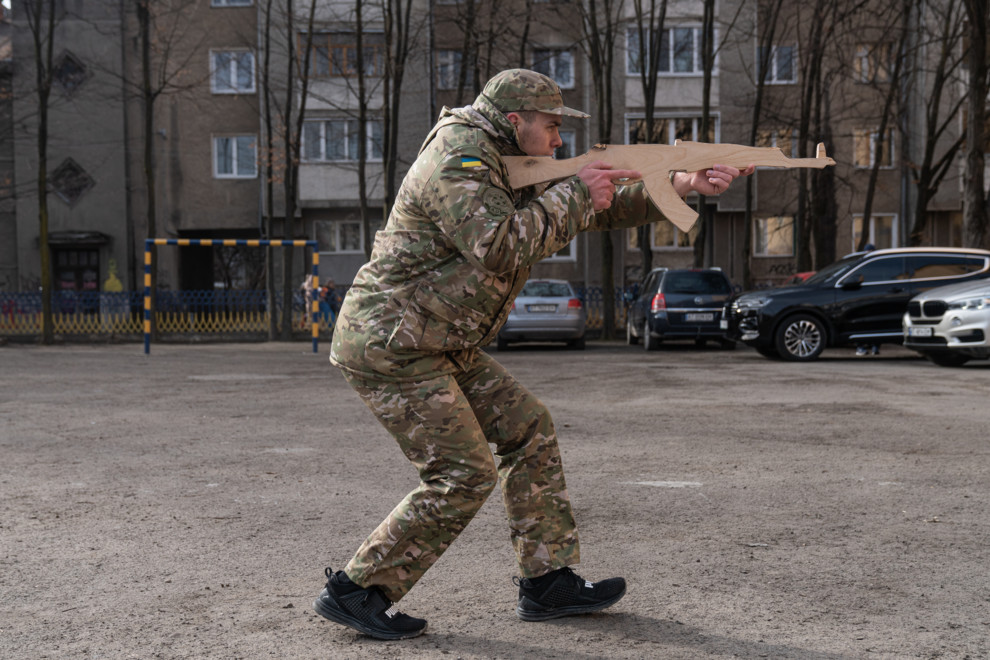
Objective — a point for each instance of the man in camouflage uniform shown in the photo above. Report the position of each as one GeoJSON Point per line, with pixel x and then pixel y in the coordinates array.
{"type": "Point", "coordinates": [456, 250]}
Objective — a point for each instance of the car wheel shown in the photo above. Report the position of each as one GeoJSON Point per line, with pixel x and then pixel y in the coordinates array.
{"type": "Point", "coordinates": [948, 359]}
{"type": "Point", "coordinates": [800, 338]}
{"type": "Point", "coordinates": [577, 344]}
{"type": "Point", "coordinates": [503, 345]}
{"type": "Point", "coordinates": [631, 338]}
{"type": "Point", "coordinates": [650, 342]}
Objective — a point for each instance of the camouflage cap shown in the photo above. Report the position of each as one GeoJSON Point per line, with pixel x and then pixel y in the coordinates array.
{"type": "Point", "coordinates": [517, 90]}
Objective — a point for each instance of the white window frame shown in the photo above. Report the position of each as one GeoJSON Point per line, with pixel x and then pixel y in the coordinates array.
{"type": "Point", "coordinates": [565, 254]}
{"type": "Point", "coordinates": [334, 229]}
{"type": "Point", "coordinates": [873, 63]}
{"type": "Point", "coordinates": [672, 121]}
{"type": "Point", "coordinates": [678, 239]}
{"type": "Point", "coordinates": [762, 239]}
{"type": "Point", "coordinates": [774, 138]}
{"type": "Point", "coordinates": [632, 52]}
{"type": "Point", "coordinates": [351, 125]}
{"type": "Point", "coordinates": [569, 147]}
{"type": "Point", "coordinates": [558, 61]}
{"type": "Point", "coordinates": [889, 144]}
{"type": "Point", "coordinates": [773, 76]}
{"type": "Point", "coordinates": [449, 63]}
{"type": "Point", "coordinates": [231, 3]}
{"type": "Point", "coordinates": [233, 72]}
{"type": "Point", "coordinates": [857, 225]}
{"type": "Point", "coordinates": [236, 141]}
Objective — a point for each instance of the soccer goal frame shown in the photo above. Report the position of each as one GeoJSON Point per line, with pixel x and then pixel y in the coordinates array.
{"type": "Point", "coordinates": [228, 242]}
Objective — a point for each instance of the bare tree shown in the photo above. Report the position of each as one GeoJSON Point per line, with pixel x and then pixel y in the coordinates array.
{"type": "Point", "coordinates": [401, 37]}
{"type": "Point", "coordinates": [894, 81]}
{"type": "Point", "coordinates": [650, 16]}
{"type": "Point", "coordinates": [297, 82]}
{"type": "Point", "coordinates": [941, 114]}
{"type": "Point", "coordinates": [768, 17]}
{"type": "Point", "coordinates": [976, 215]}
{"type": "Point", "coordinates": [601, 21]}
{"type": "Point", "coordinates": [41, 20]}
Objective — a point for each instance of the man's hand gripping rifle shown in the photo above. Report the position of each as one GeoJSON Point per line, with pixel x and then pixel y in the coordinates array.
{"type": "Point", "coordinates": [655, 162]}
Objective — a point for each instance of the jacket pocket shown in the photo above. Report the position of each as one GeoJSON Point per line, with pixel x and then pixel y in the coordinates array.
{"type": "Point", "coordinates": [432, 321]}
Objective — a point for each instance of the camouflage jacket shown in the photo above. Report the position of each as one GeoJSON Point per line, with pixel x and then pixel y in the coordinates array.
{"type": "Point", "coordinates": [457, 248]}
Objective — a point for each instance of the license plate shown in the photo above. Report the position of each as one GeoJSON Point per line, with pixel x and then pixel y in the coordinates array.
{"type": "Point", "coordinates": [541, 308]}
{"type": "Point", "coordinates": [699, 317]}
{"type": "Point", "coordinates": [920, 332]}
{"type": "Point", "coordinates": [723, 325]}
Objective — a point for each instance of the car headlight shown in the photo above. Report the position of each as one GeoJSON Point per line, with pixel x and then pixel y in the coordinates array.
{"type": "Point", "coordinates": [753, 302]}
{"type": "Point", "coordinates": [982, 302]}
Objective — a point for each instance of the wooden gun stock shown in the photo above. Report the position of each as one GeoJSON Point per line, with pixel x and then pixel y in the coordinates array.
{"type": "Point", "coordinates": [655, 162]}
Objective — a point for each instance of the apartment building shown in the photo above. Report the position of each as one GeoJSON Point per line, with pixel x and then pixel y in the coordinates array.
{"type": "Point", "coordinates": [227, 80]}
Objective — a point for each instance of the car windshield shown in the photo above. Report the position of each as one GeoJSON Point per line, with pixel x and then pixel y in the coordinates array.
{"type": "Point", "coordinates": [833, 271]}
{"type": "Point", "coordinates": [546, 289]}
{"type": "Point", "coordinates": [696, 282]}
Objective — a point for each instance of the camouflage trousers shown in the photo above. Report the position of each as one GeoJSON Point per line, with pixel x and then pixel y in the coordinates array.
{"type": "Point", "coordinates": [444, 426]}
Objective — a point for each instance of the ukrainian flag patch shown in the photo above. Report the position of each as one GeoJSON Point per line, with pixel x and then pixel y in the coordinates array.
{"type": "Point", "coordinates": [471, 162]}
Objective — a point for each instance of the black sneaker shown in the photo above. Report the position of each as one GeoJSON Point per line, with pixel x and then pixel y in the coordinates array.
{"type": "Point", "coordinates": [563, 593]}
{"type": "Point", "coordinates": [366, 610]}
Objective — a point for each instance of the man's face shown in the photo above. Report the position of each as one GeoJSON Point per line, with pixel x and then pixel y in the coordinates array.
{"type": "Point", "coordinates": [536, 132]}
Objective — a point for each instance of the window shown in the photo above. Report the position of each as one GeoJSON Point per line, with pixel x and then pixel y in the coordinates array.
{"type": "Point", "coordinates": [882, 232]}
{"type": "Point", "coordinates": [76, 269]}
{"type": "Point", "coordinates": [680, 51]}
{"type": "Point", "coordinates": [665, 131]}
{"type": "Point", "coordinates": [666, 236]}
{"type": "Point", "coordinates": [773, 236]}
{"type": "Point", "coordinates": [873, 62]}
{"type": "Point", "coordinates": [69, 72]}
{"type": "Point", "coordinates": [865, 148]}
{"type": "Point", "coordinates": [341, 236]}
{"type": "Point", "coordinates": [668, 129]}
{"type": "Point", "coordinates": [566, 253]}
{"type": "Point", "coordinates": [782, 139]}
{"type": "Point", "coordinates": [231, 3]}
{"type": "Point", "coordinates": [70, 181]}
{"type": "Point", "coordinates": [232, 72]}
{"type": "Point", "coordinates": [337, 139]}
{"type": "Point", "coordinates": [557, 64]}
{"type": "Point", "coordinates": [568, 148]}
{"type": "Point", "coordinates": [335, 54]}
{"type": "Point", "coordinates": [449, 63]}
{"type": "Point", "coordinates": [887, 269]}
{"type": "Point", "coordinates": [930, 267]}
{"type": "Point", "coordinates": [235, 157]}
{"type": "Point", "coordinates": [781, 67]}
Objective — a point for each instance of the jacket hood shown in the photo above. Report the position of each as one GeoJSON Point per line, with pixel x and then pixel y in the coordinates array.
{"type": "Point", "coordinates": [485, 116]}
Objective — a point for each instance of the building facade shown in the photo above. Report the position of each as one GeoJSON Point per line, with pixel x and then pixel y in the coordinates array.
{"type": "Point", "coordinates": [231, 107]}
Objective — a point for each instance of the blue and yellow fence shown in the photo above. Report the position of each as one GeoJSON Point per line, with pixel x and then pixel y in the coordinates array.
{"type": "Point", "coordinates": [95, 314]}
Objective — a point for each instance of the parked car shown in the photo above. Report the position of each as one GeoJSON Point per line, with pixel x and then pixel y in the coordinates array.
{"type": "Point", "coordinates": [859, 299]}
{"type": "Point", "coordinates": [681, 303]}
{"type": "Point", "coordinates": [950, 325]}
{"type": "Point", "coordinates": [545, 310]}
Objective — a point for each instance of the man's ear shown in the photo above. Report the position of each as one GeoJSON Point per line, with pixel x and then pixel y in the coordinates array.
{"type": "Point", "coordinates": [514, 117]}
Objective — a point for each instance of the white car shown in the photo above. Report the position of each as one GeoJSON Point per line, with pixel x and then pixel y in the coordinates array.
{"type": "Point", "coordinates": [950, 325]}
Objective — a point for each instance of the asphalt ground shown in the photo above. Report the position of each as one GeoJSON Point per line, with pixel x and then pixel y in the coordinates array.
{"type": "Point", "coordinates": [184, 504]}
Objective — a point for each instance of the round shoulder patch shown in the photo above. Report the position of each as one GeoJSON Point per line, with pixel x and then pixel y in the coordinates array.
{"type": "Point", "coordinates": [497, 201]}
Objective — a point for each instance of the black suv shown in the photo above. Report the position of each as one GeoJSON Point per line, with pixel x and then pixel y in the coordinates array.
{"type": "Point", "coordinates": [859, 299]}
{"type": "Point", "coordinates": [681, 303]}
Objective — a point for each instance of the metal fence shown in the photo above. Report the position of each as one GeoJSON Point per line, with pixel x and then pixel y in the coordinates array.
{"type": "Point", "coordinates": [193, 312]}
